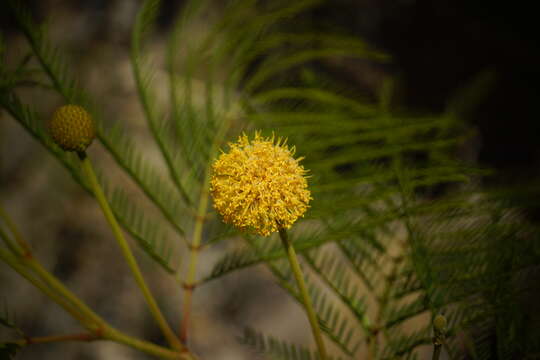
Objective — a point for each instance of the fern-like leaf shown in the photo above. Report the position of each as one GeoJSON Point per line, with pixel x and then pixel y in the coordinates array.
{"type": "Point", "coordinates": [277, 349]}
{"type": "Point", "coordinates": [130, 216]}
{"type": "Point", "coordinates": [143, 80]}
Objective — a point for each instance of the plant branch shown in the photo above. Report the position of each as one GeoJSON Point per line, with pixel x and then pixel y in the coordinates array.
{"type": "Point", "coordinates": [297, 271]}
{"type": "Point", "coordinates": [24, 261]}
{"type": "Point", "coordinates": [149, 348]}
{"type": "Point", "coordinates": [128, 255]}
{"type": "Point", "coordinates": [98, 327]}
{"type": "Point", "coordinates": [56, 338]}
{"type": "Point", "coordinates": [436, 351]}
{"type": "Point", "coordinates": [18, 267]}
{"type": "Point", "coordinates": [11, 245]}
{"type": "Point", "coordinates": [192, 269]}
{"type": "Point", "coordinates": [195, 245]}
{"type": "Point", "coordinates": [15, 231]}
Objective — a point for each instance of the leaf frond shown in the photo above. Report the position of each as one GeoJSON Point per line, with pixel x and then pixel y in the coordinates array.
{"type": "Point", "coordinates": [277, 349]}
{"type": "Point", "coordinates": [130, 216]}
{"type": "Point", "coordinates": [143, 80]}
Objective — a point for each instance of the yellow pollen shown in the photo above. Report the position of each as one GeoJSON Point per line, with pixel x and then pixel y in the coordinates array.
{"type": "Point", "coordinates": [258, 186]}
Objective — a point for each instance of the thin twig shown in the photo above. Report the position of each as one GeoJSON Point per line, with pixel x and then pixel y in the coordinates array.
{"type": "Point", "coordinates": [57, 338]}
{"type": "Point", "coordinates": [15, 231]}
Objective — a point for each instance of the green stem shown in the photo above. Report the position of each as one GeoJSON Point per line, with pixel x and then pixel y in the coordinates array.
{"type": "Point", "coordinates": [56, 338]}
{"type": "Point", "coordinates": [21, 261]}
{"type": "Point", "coordinates": [60, 289]}
{"type": "Point", "coordinates": [439, 329]}
{"type": "Point", "coordinates": [13, 262]}
{"type": "Point", "coordinates": [195, 245]}
{"type": "Point", "coordinates": [128, 255]}
{"type": "Point", "coordinates": [437, 352]}
{"type": "Point", "coordinates": [19, 258]}
{"type": "Point", "coordinates": [101, 330]}
{"type": "Point", "coordinates": [11, 245]}
{"type": "Point", "coordinates": [297, 271]}
{"type": "Point", "coordinates": [371, 342]}
{"type": "Point", "coordinates": [25, 247]}
{"type": "Point", "coordinates": [149, 348]}
{"type": "Point", "coordinates": [192, 267]}
{"type": "Point", "coordinates": [57, 292]}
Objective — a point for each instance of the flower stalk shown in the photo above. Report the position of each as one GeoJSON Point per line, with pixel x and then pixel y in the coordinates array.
{"type": "Point", "coordinates": [128, 255]}
{"type": "Point", "coordinates": [439, 328]}
{"type": "Point", "coordinates": [306, 300]}
{"type": "Point", "coordinates": [259, 187]}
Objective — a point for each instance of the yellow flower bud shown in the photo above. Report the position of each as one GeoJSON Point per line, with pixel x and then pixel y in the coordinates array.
{"type": "Point", "coordinates": [439, 323]}
{"type": "Point", "coordinates": [72, 128]}
{"type": "Point", "coordinates": [258, 186]}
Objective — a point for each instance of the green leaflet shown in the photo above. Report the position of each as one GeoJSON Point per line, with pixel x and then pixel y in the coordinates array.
{"type": "Point", "coordinates": [276, 348]}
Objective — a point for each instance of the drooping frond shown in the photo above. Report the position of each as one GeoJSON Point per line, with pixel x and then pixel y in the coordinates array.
{"type": "Point", "coordinates": [159, 190]}
{"type": "Point", "coordinates": [269, 249]}
{"type": "Point", "coordinates": [364, 261]}
{"type": "Point", "coordinates": [144, 81]}
{"type": "Point", "coordinates": [485, 272]}
{"type": "Point", "coordinates": [402, 345]}
{"type": "Point", "coordinates": [333, 320]}
{"type": "Point", "coordinates": [50, 57]}
{"type": "Point", "coordinates": [148, 234]}
{"type": "Point", "coordinates": [138, 224]}
{"type": "Point", "coordinates": [277, 349]}
{"type": "Point", "coordinates": [121, 147]}
{"type": "Point", "coordinates": [335, 275]}
{"type": "Point", "coordinates": [337, 133]}
{"type": "Point", "coordinates": [373, 173]}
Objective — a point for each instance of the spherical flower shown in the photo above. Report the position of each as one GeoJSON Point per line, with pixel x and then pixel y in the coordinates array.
{"type": "Point", "coordinates": [439, 323]}
{"type": "Point", "coordinates": [258, 186]}
{"type": "Point", "coordinates": [72, 128]}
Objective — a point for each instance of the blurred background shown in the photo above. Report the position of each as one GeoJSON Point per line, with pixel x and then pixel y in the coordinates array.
{"type": "Point", "coordinates": [437, 48]}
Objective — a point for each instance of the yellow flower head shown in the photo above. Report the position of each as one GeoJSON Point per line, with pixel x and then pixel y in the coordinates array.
{"type": "Point", "coordinates": [259, 186]}
{"type": "Point", "coordinates": [72, 128]}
